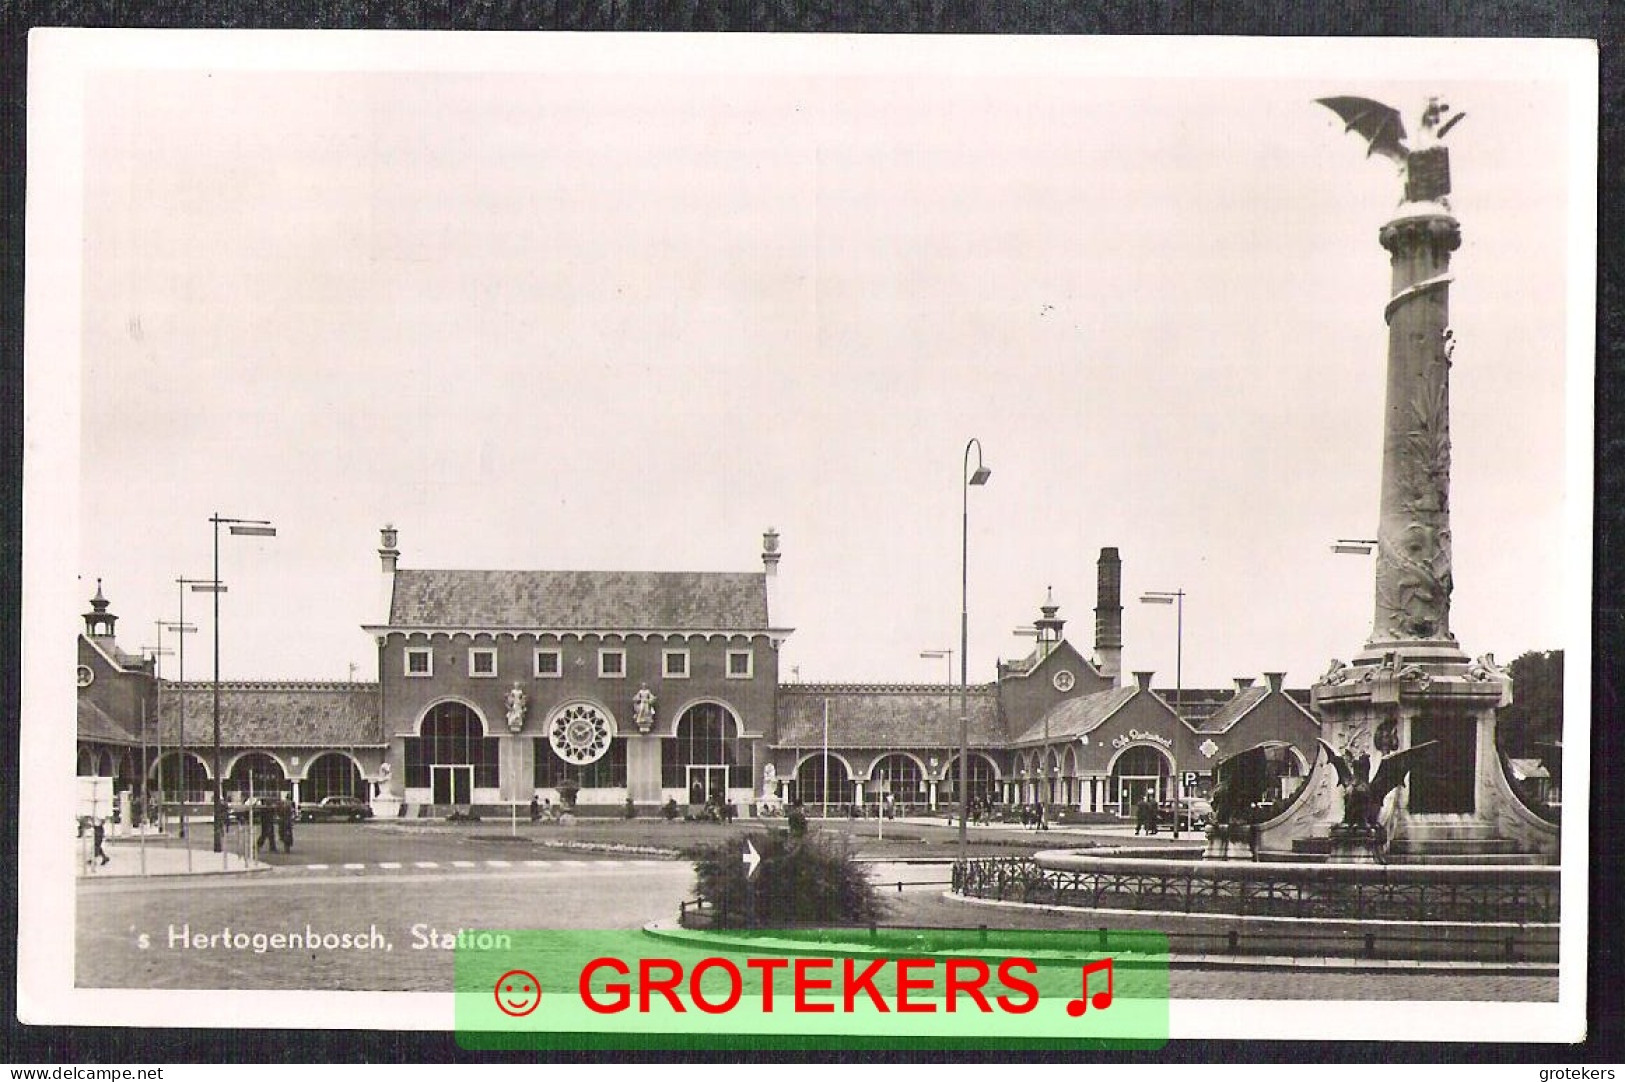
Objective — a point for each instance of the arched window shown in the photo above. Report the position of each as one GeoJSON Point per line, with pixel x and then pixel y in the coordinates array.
{"type": "Point", "coordinates": [896, 775]}
{"type": "Point", "coordinates": [182, 777]}
{"type": "Point", "coordinates": [255, 774]}
{"type": "Point", "coordinates": [983, 780]}
{"type": "Point", "coordinates": [811, 777]}
{"type": "Point", "coordinates": [452, 736]}
{"type": "Point", "coordinates": [332, 773]}
{"type": "Point", "coordinates": [707, 737]}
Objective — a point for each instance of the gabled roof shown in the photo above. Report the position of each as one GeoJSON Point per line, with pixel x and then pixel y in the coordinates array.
{"type": "Point", "coordinates": [1071, 718]}
{"type": "Point", "coordinates": [1238, 706]}
{"type": "Point", "coordinates": [885, 716]}
{"type": "Point", "coordinates": [97, 725]}
{"type": "Point", "coordinates": [1025, 666]}
{"type": "Point", "coordinates": [324, 714]}
{"type": "Point", "coordinates": [581, 600]}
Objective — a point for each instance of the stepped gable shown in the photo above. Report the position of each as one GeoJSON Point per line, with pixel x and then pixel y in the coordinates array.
{"type": "Point", "coordinates": [1071, 718]}
{"type": "Point", "coordinates": [315, 714]}
{"type": "Point", "coordinates": [581, 600]}
{"type": "Point", "coordinates": [97, 725]}
{"type": "Point", "coordinates": [886, 716]}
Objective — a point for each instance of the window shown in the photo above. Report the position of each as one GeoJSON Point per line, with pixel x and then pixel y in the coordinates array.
{"type": "Point", "coordinates": [482, 662]}
{"type": "Point", "coordinates": [707, 735]}
{"type": "Point", "coordinates": [612, 663]}
{"type": "Point", "coordinates": [608, 772]}
{"type": "Point", "coordinates": [675, 664]}
{"type": "Point", "coordinates": [739, 664]}
{"type": "Point", "coordinates": [419, 661]}
{"type": "Point", "coordinates": [549, 662]}
{"type": "Point", "coordinates": [452, 734]}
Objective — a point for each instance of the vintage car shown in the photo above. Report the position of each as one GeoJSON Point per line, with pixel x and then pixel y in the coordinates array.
{"type": "Point", "coordinates": [348, 808]}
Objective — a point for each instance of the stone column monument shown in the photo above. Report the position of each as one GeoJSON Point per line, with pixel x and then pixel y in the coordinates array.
{"type": "Point", "coordinates": [1412, 685]}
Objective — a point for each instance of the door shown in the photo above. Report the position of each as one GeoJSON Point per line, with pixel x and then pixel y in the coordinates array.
{"type": "Point", "coordinates": [452, 784]}
{"type": "Point", "coordinates": [708, 785]}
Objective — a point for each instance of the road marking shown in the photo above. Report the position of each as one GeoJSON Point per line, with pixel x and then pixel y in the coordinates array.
{"type": "Point", "coordinates": [612, 862]}
{"type": "Point", "coordinates": [424, 864]}
{"type": "Point", "coordinates": [388, 864]}
{"type": "Point", "coordinates": [574, 863]}
{"type": "Point", "coordinates": [462, 864]}
{"type": "Point", "coordinates": [498, 863]}
{"type": "Point", "coordinates": [317, 867]}
{"type": "Point", "coordinates": [355, 867]}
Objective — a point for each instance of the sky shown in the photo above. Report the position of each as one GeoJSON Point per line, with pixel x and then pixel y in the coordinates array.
{"type": "Point", "coordinates": [610, 305]}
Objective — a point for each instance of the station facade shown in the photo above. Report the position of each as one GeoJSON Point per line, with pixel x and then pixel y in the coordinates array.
{"type": "Point", "coordinates": [643, 688]}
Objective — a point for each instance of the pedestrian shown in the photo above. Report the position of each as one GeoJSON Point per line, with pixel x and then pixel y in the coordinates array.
{"type": "Point", "coordinates": [284, 823]}
{"type": "Point", "coordinates": [99, 835]}
{"type": "Point", "coordinates": [1146, 816]}
{"type": "Point", "coordinates": [267, 833]}
{"type": "Point", "coordinates": [535, 808]}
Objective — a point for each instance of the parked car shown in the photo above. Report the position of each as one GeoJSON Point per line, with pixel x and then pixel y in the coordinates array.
{"type": "Point", "coordinates": [1195, 813]}
{"type": "Point", "coordinates": [349, 808]}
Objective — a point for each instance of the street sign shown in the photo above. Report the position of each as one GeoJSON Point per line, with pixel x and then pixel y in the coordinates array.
{"type": "Point", "coordinates": [752, 859]}
{"type": "Point", "coordinates": [1190, 780]}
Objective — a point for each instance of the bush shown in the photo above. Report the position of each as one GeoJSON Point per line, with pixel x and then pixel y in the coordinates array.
{"type": "Point", "coordinates": [800, 880]}
{"type": "Point", "coordinates": [798, 821]}
{"type": "Point", "coordinates": [670, 810]}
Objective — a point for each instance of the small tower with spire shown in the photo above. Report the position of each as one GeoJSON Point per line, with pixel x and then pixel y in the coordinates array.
{"type": "Point", "coordinates": [98, 621]}
{"type": "Point", "coordinates": [1048, 625]}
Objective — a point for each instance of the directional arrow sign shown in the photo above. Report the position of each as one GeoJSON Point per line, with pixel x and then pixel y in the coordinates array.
{"type": "Point", "coordinates": [752, 859]}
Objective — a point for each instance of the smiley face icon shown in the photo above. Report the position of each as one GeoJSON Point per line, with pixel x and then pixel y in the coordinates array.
{"type": "Point", "coordinates": [518, 993]}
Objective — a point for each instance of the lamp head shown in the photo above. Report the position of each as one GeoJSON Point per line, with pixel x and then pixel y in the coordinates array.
{"type": "Point", "coordinates": [980, 476]}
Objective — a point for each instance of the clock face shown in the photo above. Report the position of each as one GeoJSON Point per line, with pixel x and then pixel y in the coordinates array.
{"type": "Point", "coordinates": [1063, 681]}
{"type": "Point", "coordinates": [85, 676]}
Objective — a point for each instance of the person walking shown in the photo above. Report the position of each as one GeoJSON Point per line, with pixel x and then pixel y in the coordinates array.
{"type": "Point", "coordinates": [284, 824]}
{"type": "Point", "coordinates": [535, 808]}
{"type": "Point", "coordinates": [267, 833]}
{"type": "Point", "coordinates": [98, 836]}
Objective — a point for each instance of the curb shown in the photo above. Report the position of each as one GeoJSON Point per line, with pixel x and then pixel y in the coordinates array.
{"type": "Point", "coordinates": [671, 931]}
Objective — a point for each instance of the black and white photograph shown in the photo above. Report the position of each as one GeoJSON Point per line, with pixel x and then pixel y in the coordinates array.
{"type": "Point", "coordinates": [588, 482]}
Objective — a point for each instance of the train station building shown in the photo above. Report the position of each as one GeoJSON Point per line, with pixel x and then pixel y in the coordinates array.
{"type": "Point", "coordinates": [642, 688]}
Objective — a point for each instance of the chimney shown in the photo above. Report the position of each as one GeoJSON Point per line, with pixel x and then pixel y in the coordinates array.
{"type": "Point", "coordinates": [1109, 614]}
{"type": "Point", "coordinates": [1243, 683]}
{"type": "Point", "coordinates": [1142, 680]}
{"type": "Point", "coordinates": [1275, 680]}
{"type": "Point", "coordinates": [390, 557]}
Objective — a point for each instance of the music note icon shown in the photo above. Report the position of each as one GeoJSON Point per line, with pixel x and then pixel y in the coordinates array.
{"type": "Point", "coordinates": [1102, 1000]}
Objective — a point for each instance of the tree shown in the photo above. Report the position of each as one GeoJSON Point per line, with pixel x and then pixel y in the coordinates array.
{"type": "Point", "coordinates": [1528, 727]}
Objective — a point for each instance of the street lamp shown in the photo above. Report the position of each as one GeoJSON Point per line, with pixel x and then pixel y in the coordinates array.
{"type": "Point", "coordinates": [242, 527]}
{"type": "Point", "coordinates": [1172, 597]}
{"type": "Point", "coordinates": [949, 654]}
{"type": "Point", "coordinates": [978, 477]}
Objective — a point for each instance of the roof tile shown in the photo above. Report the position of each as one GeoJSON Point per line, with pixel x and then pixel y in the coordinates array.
{"type": "Point", "coordinates": [718, 601]}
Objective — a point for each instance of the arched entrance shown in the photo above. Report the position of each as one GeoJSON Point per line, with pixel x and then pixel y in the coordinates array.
{"type": "Point", "coordinates": [255, 774]}
{"type": "Point", "coordinates": [705, 755]}
{"type": "Point", "coordinates": [1137, 771]}
{"type": "Point", "coordinates": [452, 756]}
{"type": "Point", "coordinates": [897, 777]}
{"type": "Point", "coordinates": [332, 773]}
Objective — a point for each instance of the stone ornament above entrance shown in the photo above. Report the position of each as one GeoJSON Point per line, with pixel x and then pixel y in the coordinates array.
{"type": "Point", "coordinates": [580, 734]}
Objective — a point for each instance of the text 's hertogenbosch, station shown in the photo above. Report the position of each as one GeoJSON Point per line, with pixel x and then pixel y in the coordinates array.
{"type": "Point", "coordinates": [499, 686]}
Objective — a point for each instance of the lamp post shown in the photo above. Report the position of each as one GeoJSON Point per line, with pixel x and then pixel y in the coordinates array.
{"type": "Point", "coordinates": [979, 477]}
{"type": "Point", "coordinates": [249, 527]}
{"type": "Point", "coordinates": [1173, 597]}
{"type": "Point", "coordinates": [949, 654]}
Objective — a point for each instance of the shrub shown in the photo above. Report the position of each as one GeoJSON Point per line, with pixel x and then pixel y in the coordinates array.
{"type": "Point", "coordinates": [670, 810]}
{"type": "Point", "coordinates": [798, 821]}
{"type": "Point", "coordinates": [800, 880]}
